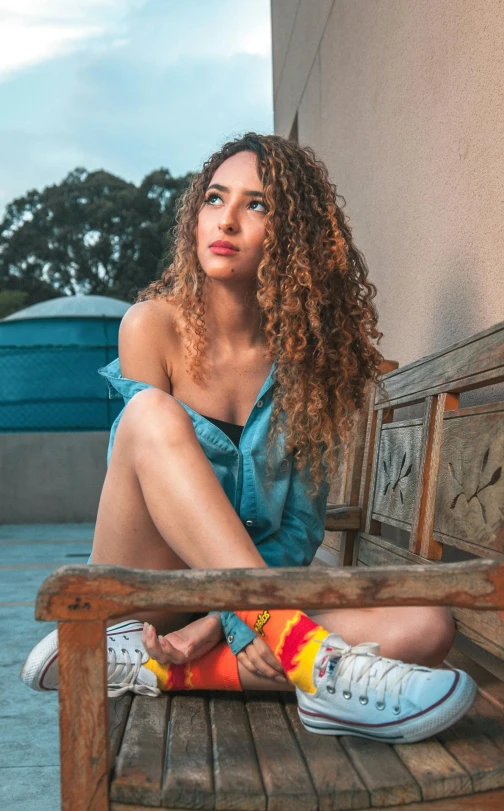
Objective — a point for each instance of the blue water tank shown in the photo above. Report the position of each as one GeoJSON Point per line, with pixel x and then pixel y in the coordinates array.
{"type": "Point", "coordinates": [49, 357]}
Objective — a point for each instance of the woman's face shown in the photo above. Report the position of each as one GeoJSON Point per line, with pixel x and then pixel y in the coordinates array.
{"type": "Point", "coordinates": [233, 212]}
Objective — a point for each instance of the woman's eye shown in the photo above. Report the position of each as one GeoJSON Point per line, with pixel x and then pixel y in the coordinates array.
{"type": "Point", "coordinates": [258, 203]}
{"type": "Point", "coordinates": [210, 196]}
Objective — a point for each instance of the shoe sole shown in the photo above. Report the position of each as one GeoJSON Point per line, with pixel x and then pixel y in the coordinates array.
{"type": "Point", "coordinates": [414, 731]}
{"type": "Point", "coordinates": [45, 653]}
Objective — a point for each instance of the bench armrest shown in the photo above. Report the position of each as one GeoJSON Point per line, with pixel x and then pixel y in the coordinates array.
{"type": "Point", "coordinates": [83, 592]}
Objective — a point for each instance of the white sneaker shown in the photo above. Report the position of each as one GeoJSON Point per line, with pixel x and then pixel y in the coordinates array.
{"type": "Point", "coordinates": [360, 693]}
{"type": "Point", "coordinates": [126, 655]}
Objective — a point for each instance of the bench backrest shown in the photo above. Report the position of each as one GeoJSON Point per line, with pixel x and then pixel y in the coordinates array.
{"type": "Point", "coordinates": [439, 477]}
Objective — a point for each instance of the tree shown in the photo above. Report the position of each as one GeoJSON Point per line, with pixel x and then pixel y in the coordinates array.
{"type": "Point", "coordinates": [93, 233]}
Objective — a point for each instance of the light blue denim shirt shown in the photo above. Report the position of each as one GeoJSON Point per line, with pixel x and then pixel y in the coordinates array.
{"type": "Point", "coordinates": [286, 524]}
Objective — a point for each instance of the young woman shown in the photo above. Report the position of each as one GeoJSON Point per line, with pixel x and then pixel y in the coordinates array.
{"type": "Point", "coordinates": [242, 369]}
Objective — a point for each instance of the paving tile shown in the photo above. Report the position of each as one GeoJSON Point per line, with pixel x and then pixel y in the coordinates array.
{"type": "Point", "coordinates": [17, 585]}
{"type": "Point", "coordinates": [58, 554]}
{"type": "Point", "coordinates": [25, 788]}
{"type": "Point", "coordinates": [20, 633]}
{"type": "Point", "coordinates": [42, 532]}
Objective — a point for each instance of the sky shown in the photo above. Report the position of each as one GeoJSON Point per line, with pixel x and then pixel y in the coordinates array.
{"type": "Point", "coordinates": [127, 85]}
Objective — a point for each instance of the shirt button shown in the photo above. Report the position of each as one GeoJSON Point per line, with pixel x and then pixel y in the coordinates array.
{"type": "Point", "coordinates": [230, 639]}
{"type": "Point", "coordinates": [259, 404]}
{"type": "Point", "coordinates": [249, 523]}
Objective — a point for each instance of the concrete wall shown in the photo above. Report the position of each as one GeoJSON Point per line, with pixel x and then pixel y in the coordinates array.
{"type": "Point", "coordinates": [403, 100]}
{"type": "Point", "coordinates": [51, 477]}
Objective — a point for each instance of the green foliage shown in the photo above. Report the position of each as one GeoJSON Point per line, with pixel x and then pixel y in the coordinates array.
{"type": "Point", "coordinates": [93, 233]}
{"type": "Point", "coordinates": [11, 301]}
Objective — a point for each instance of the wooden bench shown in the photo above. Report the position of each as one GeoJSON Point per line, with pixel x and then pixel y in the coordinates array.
{"type": "Point", "coordinates": [418, 490]}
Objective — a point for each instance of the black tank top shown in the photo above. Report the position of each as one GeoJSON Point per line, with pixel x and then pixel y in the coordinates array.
{"type": "Point", "coordinates": [231, 430]}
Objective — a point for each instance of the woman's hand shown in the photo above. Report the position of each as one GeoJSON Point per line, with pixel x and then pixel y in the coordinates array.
{"type": "Point", "coordinates": [185, 645]}
{"type": "Point", "coordinates": [260, 660]}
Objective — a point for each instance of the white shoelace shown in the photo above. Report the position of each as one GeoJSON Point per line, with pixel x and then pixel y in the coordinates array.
{"type": "Point", "coordinates": [129, 676]}
{"type": "Point", "coordinates": [362, 669]}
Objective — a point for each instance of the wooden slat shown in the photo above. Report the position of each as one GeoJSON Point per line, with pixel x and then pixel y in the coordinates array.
{"type": "Point", "coordinates": [489, 719]}
{"type": "Point", "coordinates": [435, 770]}
{"type": "Point", "coordinates": [470, 486]}
{"type": "Point", "coordinates": [380, 418]}
{"type": "Point", "coordinates": [422, 541]}
{"type": "Point", "coordinates": [476, 361]}
{"type": "Point", "coordinates": [139, 765]}
{"type": "Point", "coordinates": [188, 781]}
{"type": "Point", "coordinates": [479, 756]}
{"type": "Point", "coordinates": [237, 777]}
{"type": "Point", "coordinates": [339, 517]}
{"type": "Point", "coordinates": [336, 782]}
{"type": "Point", "coordinates": [386, 778]}
{"type": "Point", "coordinates": [83, 715]}
{"type": "Point", "coordinates": [484, 628]}
{"type": "Point", "coordinates": [285, 776]}
{"type": "Point", "coordinates": [118, 709]}
{"type": "Point", "coordinates": [377, 551]}
{"type": "Point", "coordinates": [490, 686]}
{"type": "Point", "coordinates": [489, 801]}
{"type": "Point", "coordinates": [397, 473]}
{"type": "Point", "coordinates": [117, 591]}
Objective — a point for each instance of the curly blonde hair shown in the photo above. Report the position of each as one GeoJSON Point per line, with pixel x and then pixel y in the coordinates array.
{"type": "Point", "coordinates": [318, 319]}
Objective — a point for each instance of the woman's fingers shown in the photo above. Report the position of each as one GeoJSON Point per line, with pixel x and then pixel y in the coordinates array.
{"type": "Point", "coordinates": [267, 655]}
{"type": "Point", "coordinates": [260, 662]}
{"type": "Point", "coordinates": [159, 648]}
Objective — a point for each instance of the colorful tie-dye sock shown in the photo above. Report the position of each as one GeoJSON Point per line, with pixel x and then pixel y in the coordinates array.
{"type": "Point", "coordinates": [216, 670]}
{"type": "Point", "coordinates": [293, 637]}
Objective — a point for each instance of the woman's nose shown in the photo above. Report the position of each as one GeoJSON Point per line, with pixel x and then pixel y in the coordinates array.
{"type": "Point", "coordinates": [229, 219]}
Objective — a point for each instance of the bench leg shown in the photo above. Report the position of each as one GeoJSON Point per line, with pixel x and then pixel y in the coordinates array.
{"type": "Point", "coordinates": [83, 709]}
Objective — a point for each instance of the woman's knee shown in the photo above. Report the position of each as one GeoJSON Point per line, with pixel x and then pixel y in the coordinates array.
{"type": "Point", "coordinates": [152, 417]}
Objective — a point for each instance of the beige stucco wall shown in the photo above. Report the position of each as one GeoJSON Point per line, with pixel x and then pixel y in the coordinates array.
{"type": "Point", "coordinates": [403, 100]}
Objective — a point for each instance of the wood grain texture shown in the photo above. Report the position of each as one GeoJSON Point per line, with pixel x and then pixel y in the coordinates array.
{"type": "Point", "coordinates": [117, 591]}
{"type": "Point", "coordinates": [489, 801]}
{"type": "Point", "coordinates": [188, 781]}
{"type": "Point", "coordinates": [118, 709]}
{"type": "Point", "coordinates": [237, 777]}
{"type": "Point", "coordinates": [470, 487]}
{"type": "Point", "coordinates": [138, 770]}
{"type": "Point", "coordinates": [476, 361]}
{"type": "Point", "coordinates": [435, 770]}
{"type": "Point", "coordinates": [489, 685]}
{"type": "Point", "coordinates": [336, 782]}
{"type": "Point", "coordinates": [383, 773]}
{"type": "Point", "coordinates": [397, 473]}
{"type": "Point", "coordinates": [380, 418]}
{"type": "Point", "coordinates": [422, 541]}
{"type": "Point", "coordinates": [340, 517]}
{"type": "Point", "coordinates": [285, 776]}
{"type": "Point", "coordinates": [83, 712]}
{"type": "Point", "coordinates": [474, 750]}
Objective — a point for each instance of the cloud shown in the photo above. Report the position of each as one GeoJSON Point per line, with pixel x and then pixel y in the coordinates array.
{"type": "Point", "coordinates": [33, 31]}
{"type": "Point", "coordinates": [158, 83]}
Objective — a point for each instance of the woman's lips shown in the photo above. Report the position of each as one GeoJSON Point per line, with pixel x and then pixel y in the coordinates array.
{"type": "Point", "coordinates": [222, 251]}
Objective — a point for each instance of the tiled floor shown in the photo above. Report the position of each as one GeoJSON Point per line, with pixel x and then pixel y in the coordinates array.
{"type": "Point", "coordinates": [29, 756]}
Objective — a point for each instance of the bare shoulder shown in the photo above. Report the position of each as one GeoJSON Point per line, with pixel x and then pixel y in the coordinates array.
{"type": "Point", "coordinates": [147, 337]}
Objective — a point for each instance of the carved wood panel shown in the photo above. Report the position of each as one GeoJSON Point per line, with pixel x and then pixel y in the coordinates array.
{"type": "Point", "coordinates": [397, 472]}
{"type": "Point", "coordinates": [470, 492]}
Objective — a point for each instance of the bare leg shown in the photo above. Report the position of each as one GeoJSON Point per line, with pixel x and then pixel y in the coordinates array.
{"type": "Point", "coordinates": [162, 506]}
{"type": "Point", "coordinates": [419, 635]}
